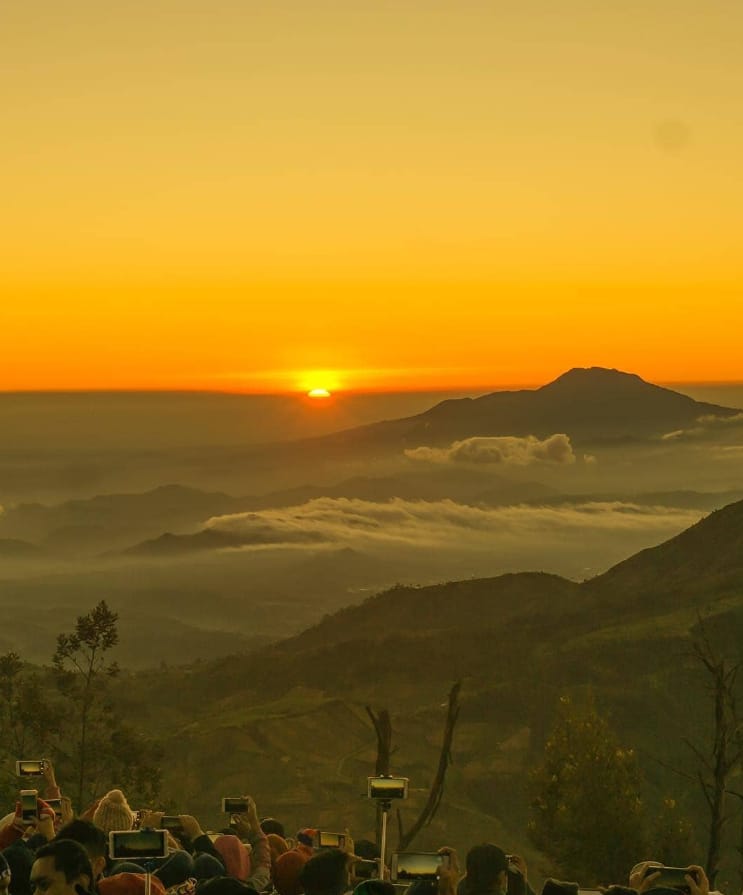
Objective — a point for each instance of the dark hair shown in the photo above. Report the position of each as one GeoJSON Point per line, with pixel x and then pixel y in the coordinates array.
{"type": "Point", "coordinates": [224, 885]}
{"type": "Point", "coordinates": [374, 887]}
{"type": "Point", "coordinates": [326, 873]}
{"type": "Point", "coordinates": [85, 832]}
{"type": "Point", "coordinates": [19, 859]}
{"type": "Point", "coordinates": [423, 887]}
{"type": "Point", "coordinates": [366, 849]}
{"type": "Point", "coordinates": [485, 863]}
{"type": "Point", "coordinates": [271, 825]}
{"type": "Point", "coordinates": [69, 857]}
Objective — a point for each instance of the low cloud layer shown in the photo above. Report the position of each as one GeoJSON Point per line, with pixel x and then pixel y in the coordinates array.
{"type": "Point", "coordinates": [508, 449]}
{"type": "Point", "coordinates": [446, 525]}
{"type": "Point", "coordinates": [707, 425]}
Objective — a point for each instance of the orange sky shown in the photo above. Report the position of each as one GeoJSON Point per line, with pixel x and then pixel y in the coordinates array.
{"type": "Point", "coordinates": [404, 195]}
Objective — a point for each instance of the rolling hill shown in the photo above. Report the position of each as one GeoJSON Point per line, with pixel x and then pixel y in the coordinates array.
{"type": "Point", "coordinates": [293, 713]}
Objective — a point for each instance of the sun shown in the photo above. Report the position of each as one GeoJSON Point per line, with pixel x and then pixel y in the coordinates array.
{"type": "Point", "coordinates": [319, 384]}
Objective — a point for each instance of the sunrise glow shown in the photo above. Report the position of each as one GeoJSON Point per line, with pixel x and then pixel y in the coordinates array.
{"type": "Point", "coordinates": [482, 194]}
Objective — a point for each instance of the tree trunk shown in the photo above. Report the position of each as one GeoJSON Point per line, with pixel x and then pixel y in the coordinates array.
{"type": "Point", "coordinates": [437, 787]}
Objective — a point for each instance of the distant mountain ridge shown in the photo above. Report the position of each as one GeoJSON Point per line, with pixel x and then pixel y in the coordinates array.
{"type": "Point", "coordinates": [587, 404]}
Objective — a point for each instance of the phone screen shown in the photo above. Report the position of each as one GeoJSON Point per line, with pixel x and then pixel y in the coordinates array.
{"type": "Point", "coordinates": [28, 805]}
{"type": "Point", "coordinates": [234, 806]}
{"type": "Point", "coordinates": [137, 844]}
{"type": "Point", "coordinates": [417, 865]}
{"type": "Point", "coordinates": [29, 768]}
{"type": "Point", "coordinates": [331, 840]}
{"type": "Point", "coordinates": [388, 787]}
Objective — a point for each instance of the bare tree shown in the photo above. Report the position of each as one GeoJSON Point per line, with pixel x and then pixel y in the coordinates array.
{"type": "Point", "coordinates": [383, 728]}
{"type": "Point", "coordinates": [436, 791]}
{"type": "Point", "coordinates": [726, 752]}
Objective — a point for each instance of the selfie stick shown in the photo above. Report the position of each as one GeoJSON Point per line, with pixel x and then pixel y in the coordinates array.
{"type": "Point", "coordinates": [385, 805]}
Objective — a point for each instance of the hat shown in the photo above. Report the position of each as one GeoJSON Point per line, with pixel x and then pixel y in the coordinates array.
{"type": "Point", "coordinates": [234, 856]}
{"type": "Point", "coordinates": [307, 836]}
{"type": "Point", "coordinates": [287, 868]}
{"type": "Point", "coordinates": [557, 887]}
{"type": "Point", "coordinates": [129, 884]}
{"type": "Point", "coordinates": [113, 812]}
{"type": "Point", "coordinates": [484, 863]}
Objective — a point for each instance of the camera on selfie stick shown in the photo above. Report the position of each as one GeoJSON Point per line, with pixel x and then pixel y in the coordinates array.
{"type": "Point", "coordinates": [383, 790]}
{"type": "Point", "coordinates": [138, 845]}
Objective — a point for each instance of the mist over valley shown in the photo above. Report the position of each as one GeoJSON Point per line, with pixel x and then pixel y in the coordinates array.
{"type": "Point", "coordinates": [219, 543]}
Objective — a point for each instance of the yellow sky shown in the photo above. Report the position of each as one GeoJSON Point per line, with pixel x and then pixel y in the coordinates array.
{"type": "Point", "coordinates": [230, 194]}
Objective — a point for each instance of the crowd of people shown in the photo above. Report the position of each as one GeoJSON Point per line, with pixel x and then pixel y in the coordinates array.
{"type": "Point", "coordinates": [54, 852]}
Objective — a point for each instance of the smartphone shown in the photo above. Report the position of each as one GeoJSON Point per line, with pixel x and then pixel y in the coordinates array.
{"type": "Point", "coordinates": [417, 865]}
{"type": "Point", "coordinates": [29, 805]}
{"type": "Point", "coordinates": [670, 877]}
{"type": "Point", "coordinates": [56, 805]}
{"type": "Point", "coordinates": [171, 822]}
{"type": "Point", "coordinates": [234, 805]}
{"type": "Point", "coordinates": [330, 840]}
{"type": "Point", "coordinates": [30, 768]}
{"type": "Point", "coordinates": [387, 788]}
{"type": "Point", "coordinates": [126, 844]}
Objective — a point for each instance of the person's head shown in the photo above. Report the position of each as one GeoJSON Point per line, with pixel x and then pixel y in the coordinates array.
{"type": "Point", "coordinates": [60, 866]}
{"type": "Point", "coordinates": [366, 849]}
{"type": "Point", "coordinates": [113, 812]}
{"type": "Point", "coordinates": [92, 839]}
{"type": "Point", "coordinates": [287, 867]}
{"type": "Point", "coordinates": [130, 884]}
{"type": "Point", "coordinates": [326, 873]}
{"type": "Point", "coordinates": [224, 885]}
{"type": "Point", "coordinates": [271, 825]}
{"type": "Point", "coordinates": [277, 845]}
{"type": "Point", "coordinates": [306, 836]}
{"type": "Point", "coordinates": [234, 856]}
{"type": "Point", "coordinates": [374, 887]}
{"type": "Point", "coordinates": [4, 876]}
{"type": "Point", "coordinates": [558, 887]}
{"type": "Point", "coordinates": [19, 858]}
{"type": "Point", "coordinates": [487, 869]}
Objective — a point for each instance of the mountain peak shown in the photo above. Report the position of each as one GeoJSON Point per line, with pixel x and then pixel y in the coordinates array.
{"type": "Point", "coordinates": [597, 377]}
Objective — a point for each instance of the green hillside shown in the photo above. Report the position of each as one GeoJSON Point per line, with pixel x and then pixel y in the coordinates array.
{"type": "Point", "coordinates": [288, 723]}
